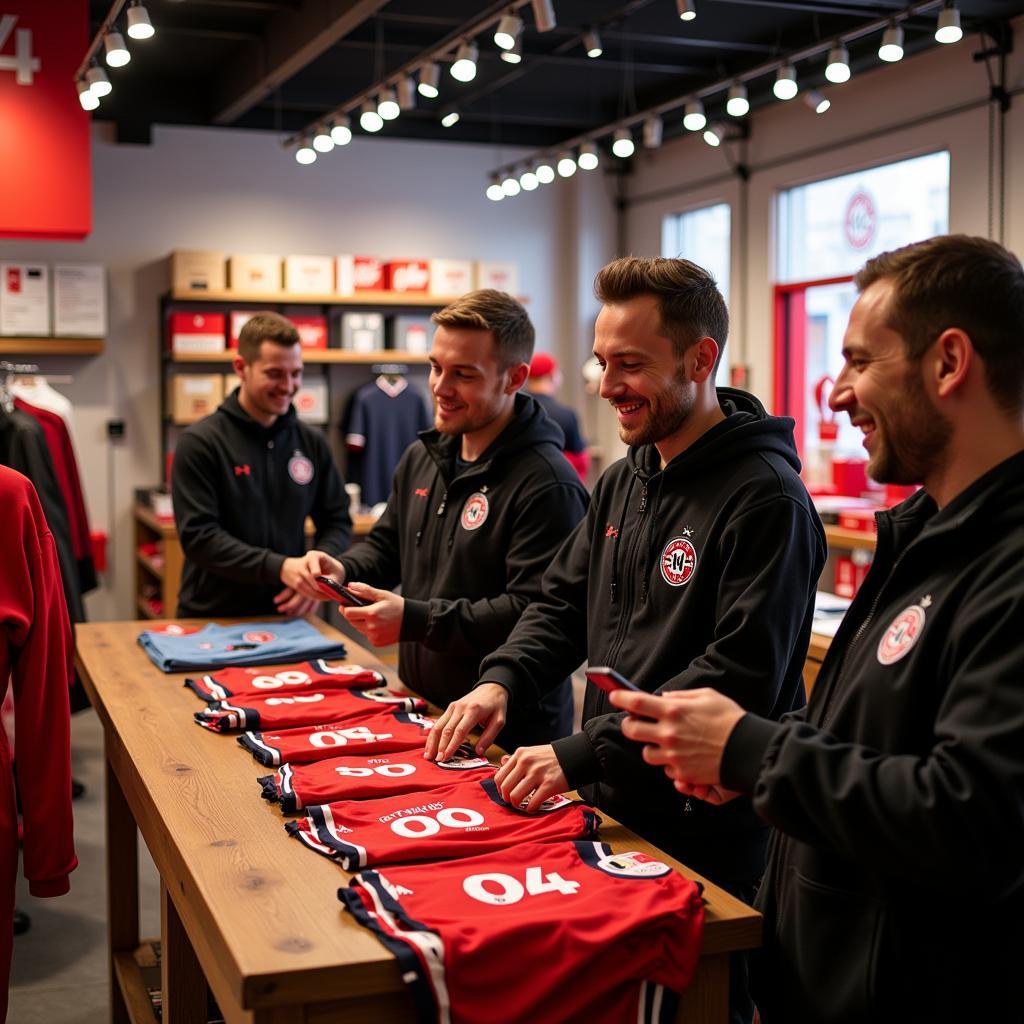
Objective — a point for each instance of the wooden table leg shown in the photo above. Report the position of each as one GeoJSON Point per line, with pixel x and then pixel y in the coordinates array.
{"type": "Point", "coordinates": [122, 886]}
{"type": "Point", "coordinates": [182, 980]}
{"type": "Point", "coordinates": [706, 1001]}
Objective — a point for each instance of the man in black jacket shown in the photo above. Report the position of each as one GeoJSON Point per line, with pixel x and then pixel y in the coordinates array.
{"type": "Point", "coordinates": [478, 508]}
{"type": "Point", "coordinates": [245, 479]}
{"type": "Point", "coordinates": [895, 883]}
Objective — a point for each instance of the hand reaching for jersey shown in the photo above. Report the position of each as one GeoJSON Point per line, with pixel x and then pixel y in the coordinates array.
{"type": "Point", "coordinates": [531, 773]}
{"type": "Point", "coordinates": [484, 705]}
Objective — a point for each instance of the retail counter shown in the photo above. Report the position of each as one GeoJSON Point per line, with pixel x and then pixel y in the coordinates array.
{"type": "Point", "coordinates": [242, 905]}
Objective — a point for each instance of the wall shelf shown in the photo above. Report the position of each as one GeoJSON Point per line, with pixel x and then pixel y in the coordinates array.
{"type": "Point", "coordinates": [282, 298]}
{"type": "Point", "coordinates": [51, 346]}
{"type": "Point", "coordinates": [312, 356]}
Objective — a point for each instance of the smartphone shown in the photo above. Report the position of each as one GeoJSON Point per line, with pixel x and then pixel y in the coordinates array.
{"type": "Point", "coordinates": [343, 594]}
{"type": "Point", "coordinates": [607, 679]}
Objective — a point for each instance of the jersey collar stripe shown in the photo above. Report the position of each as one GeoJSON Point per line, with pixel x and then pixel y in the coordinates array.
{"type": "Point", "coordinates": [285, 776]}
{"type": "Point", "coordinates": [351, 855]}
{"type": "Point", "coordinates": [239, 718]}
{"type": "Point", "coordinates": [253, 742]}
{"type": "Point", "coordinates": [216, 689]}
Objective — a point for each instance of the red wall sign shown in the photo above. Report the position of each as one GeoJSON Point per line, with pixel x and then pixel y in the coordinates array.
{"type": "Point", "coordinates": [45, 169]}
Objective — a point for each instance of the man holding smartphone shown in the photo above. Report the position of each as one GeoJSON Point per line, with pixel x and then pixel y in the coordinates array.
{"type": "Point", "coordinates": [477, 510]}
{"type": "Point", "coordinates": [696, 566]}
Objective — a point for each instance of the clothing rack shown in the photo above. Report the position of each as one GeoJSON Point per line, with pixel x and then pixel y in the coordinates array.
{"type": "Point", "coordinates": [7, 371]}
{"type": "Point", "coordinates": [389, 369]}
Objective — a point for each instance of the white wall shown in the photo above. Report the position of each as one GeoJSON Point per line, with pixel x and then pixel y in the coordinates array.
{"type": "Point", "coordinates": [240, 192]}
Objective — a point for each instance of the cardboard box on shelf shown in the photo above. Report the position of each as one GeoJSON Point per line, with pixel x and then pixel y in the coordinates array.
{"type": "Point", "coordinates": [362, 332]}
{"type": "Point", "coordinates": [198, 270]}
{"type": "Point", "coordinates": [254, 273]}
{"type": "Point", "coordinates": [197, 332]}
{"type": "Point", "coordinates": [359, 274]}
{"type": "Point", "coordinates": [502, 275]}
{"type": "Point", "coordinates": [308, 275]}
{"type": "Point", "coordinates": [413, 333]}
{"type": "Point", "coordinates": [407, 276]}
{"type": "Point", "coordinates": [311, 402]}
{"type": "Point", "coordinates": [194, 395]}
{"type": "Point", "coordinates": [451, 277]}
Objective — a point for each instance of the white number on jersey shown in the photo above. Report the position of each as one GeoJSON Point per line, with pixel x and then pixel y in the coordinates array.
{"type": "Point", "coordinates": [298, 699]}
{"type": "Point", "coordinates": [418, 825]}
{"type": "Point", "coordinates": [275, 682]}
{"type": "Point", "coordinates": [512, 890]}
{"type": "Point", "coordinates": [23, 64]}
{"type": "Point", "coordinates": [342, 737]}
{"type": "Point", "coordinates": [391, 771]}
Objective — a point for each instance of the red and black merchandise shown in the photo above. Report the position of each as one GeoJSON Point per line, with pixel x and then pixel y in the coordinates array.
{"type": "Point", "coordinates": [236, 682]}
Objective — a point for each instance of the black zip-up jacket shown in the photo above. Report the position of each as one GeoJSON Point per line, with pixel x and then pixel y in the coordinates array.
{"type": "Point", "coordinates": [701, 574]}
{"type": "Point", "coordinates": [895, 882]}
{"type": "Point", "coordinates": [469, 549]}
{"type": "Point", "coordinates": [242, 493]}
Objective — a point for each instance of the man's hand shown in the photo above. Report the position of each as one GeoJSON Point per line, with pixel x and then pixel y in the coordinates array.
{"type": "Point", "coordinates": [532, 772]}
{"type": "Point", "coordinates": [686, 735]}
{"type": "Point", "coordinates": [300, 574]}
{"type": "Point", "coordinates": [381, 621]}
{"type": "Point", "coordinates": [487, 703]}
{"type": "Point", "coordinates": [293, 604]}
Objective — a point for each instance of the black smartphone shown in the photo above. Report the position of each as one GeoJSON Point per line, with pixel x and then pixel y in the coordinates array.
{"type": "Point", "coordinates": [607, 679]}
{"type": "Point", "coordinates": [343, 594]}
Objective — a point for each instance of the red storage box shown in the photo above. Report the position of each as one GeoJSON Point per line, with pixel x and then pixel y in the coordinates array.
{"type": "Point", "coordinates": [407, 276]}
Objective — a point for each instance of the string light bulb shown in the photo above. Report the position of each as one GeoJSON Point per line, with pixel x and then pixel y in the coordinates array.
{"type": "Point", "coordinates": [507, 32]}
{"type": "Point", "coordinates": [891, 48]}
{"type": "Point", "coordinates": [116, 53]}
{"type": "Point", "coordinates": [494, 191]}
{"type": "Point", "coordinates": [694, 117]}
{"type": "Point", "coordinates": [305, 154]}
{"type": "Point", "coordinates": [785, 87]}
{"type": "Point", "coordinates": [687, 9]}
{"type": "Point", "coordinates": [464, 67]}
{"type": "Point", "coordinates": [545, 172]}
{"type": "Point", "coordinates": [86, 97]}
{"type": "Point", "coordinates": [139, 25]}
{"type": "Point", "coordinates": [450, 119]}
{"type": "Point", "coordinates": [387, 104]}
{"type": "Point", "coordinates": [369, 119]}
{"type": "Point", "coordinates": [947, 29]}
{"type": "Point", "coordinates": [322, 141]}
{"type": "Point", "coordinates": [588, 159]}
{"type": "Point", "coordinates": [566, 164]}
{"type": "Point", "coordinates": [341, 131]}
{"type": "Point", "coordinates": [737, 104]}
{"type": "Point", "coordinates": [510, 186]}
{"type": "Point", "coordinates": [817, 102]}
{"type": "Point", "coordinates": [99, 84]}
{"type": "Point", "coordinates": [515, 55]}
{"type": "Point", "coordinates": [622, 143]}
{"type": "Point", "coordinates": [837, 70]}
{"type": "Point", "coordinates": [592, 43]}
{"type": "Point", "coordinates": [429, 77]}
{"type": "Point", "coordinates": [528, 180]}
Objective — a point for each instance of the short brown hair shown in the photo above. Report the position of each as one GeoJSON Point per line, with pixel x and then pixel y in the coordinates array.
{"type": "Point", "coordinates": [265, 327]}
{"type": "Point", "coordinates": [959, 281]}
{"type": "Point", "coordinates": [690, 303]}
{"type": "Point", "coordinates": [498, 312]}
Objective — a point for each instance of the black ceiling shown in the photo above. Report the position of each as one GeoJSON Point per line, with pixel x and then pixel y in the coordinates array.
{"type": "Point", "coordinates": [280, 65]}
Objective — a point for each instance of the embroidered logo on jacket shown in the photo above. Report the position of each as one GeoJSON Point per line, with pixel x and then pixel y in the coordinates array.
{"type": "Point", "coordinates": [902, 633]}
{"type": "Point", "coordinates": [474, 512]}
{"type": "Point", "coordinates": [243, 470]}
{"type": "Point", "coordinates": [611, 532]}
{"type": "Point", "coordinates": [422, 492]}
{"type": "Point", "coordinates": [300, 469]}
{"type": "Point", "coordinates": [678, 561]}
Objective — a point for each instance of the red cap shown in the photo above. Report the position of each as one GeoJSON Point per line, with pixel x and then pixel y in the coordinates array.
{"type": "Point", "coordinates": [542, 365]}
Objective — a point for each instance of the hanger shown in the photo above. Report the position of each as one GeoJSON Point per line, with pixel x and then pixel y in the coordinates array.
{"type": "Point", "coordinates": [7, 371]}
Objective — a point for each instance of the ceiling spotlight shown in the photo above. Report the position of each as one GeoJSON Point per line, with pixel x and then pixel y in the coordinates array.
{"type": "Point", "coordinates": [545, 172]}
{"type": "Point", "coordinates": [99, 84]}
{"type": "Point", "coordinates": [693, 117]}
{"type": "Point", "coordinates": [510, 186]}
{"type": "Point", "coordinates": [528, 180]}
{"type": "Point", "coordinates": [588, 158]}
{"type": "Point", "coordinates": [322, 141]}
{"type": "Point", "coordinates": [464, 68]}
{"type": "Point", "coordinates": [86, 96]}
{"type": "Point", "coordinates": [494, 191]}
{"type": "Point", "coordinates": [305, 154]}
{"type": "Point", "coordinates": [817, 102]}
{"type": "Point", "coordinates": [406, 93]}
{"type": "Point", "coordinates": [387, 105]}
{"type": "Point", "coordinates": [592, 43]}
{"type": "Point", "coordinates": [543, 15]}
{"type": "Point", "coordinates": [891, 48]}
{"type": "Point", "coordinates": [369, 119]}
{"type": "Point", "coordinates": [687, 9]}
{"type": "Point", "coordinates": [713, 134]}
{"type": "Point", "coordinates": [566, 164]}
{"type": "Point", "coordinates": [341, 131]}
{"type": "Point", "coordinates": [117, 54]}
{"type": "Point", "coordinates": [837, 70]}
{"type": "Point", "coordinates": [507, 32]}
{"type": "Point", "coordinates": [449, 119]}
{"type": "Point", "coordinates": [948, 29]}
{"type": "Point", "coordinates": [785, 87]}
{"type": "Point", "coordinates": [139, 25]}
{"type": "Point", "coordinates": [653, 128]}
{"type": "Point", "coordinates": [429, 76]}
{"type": "Point", "coordinates": [515, 55]}
{"type": "Point", "coordinates": [622, 144]}
{"type": "Point", "coordinates": [737, 104]}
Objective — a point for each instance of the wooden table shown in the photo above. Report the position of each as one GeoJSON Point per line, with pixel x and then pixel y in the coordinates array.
{"type": "Point", "coordinates": [243, 904]}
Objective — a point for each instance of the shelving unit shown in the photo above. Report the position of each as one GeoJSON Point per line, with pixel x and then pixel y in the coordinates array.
{"type": "Point", "coordinates": [371, 299]}
{"type": "Point", "coordinates": [328, 355]}
{"type": "Point", "coordinates": [152, 577]}
{"type": "Point", "coordinates": [52, 346]}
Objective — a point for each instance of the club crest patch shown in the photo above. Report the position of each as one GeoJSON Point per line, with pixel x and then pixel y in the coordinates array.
{"type": "Point", "coordinates": [300, 469]}
{"type": "Point", "coordinates": [678, 561]}
{"type": "Point", "coordinates": [474, 512]}
{"type": "Point", "coordinates": [633, 865]}
{"type": "Point", "coordinates": [902, 634]}
{"type": "Point", "coordinates": [258, 636]}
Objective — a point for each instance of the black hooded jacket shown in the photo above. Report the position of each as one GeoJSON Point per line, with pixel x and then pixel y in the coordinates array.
{"type": "Point", "coordinates": [701, 574]}
{"type": "Point", "coordinates": [242, 493]}
{"type": "Point", "coordinates": [469, 547]}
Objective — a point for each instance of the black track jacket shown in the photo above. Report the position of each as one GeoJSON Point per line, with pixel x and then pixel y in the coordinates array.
{"type": "Point", "coordinates": [470, 550]}
{"type": "Point", "coordinates": [701, 574]}
{"type": "Point", "coordinates": [895, 882]}
{"type": "Point", "coordinates": [241, 495]}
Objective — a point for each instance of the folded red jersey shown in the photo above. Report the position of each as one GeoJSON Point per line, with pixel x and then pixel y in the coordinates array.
{"type": "Point", "coordinates": [362, 778]}
{"type": "Point", "coordinates": [379, 732]}
{"type": "Point", "coordinates": [313, 708]}
{"type": "Point", "coordinates": [541, 932]}
{"type": "Point", "coordinates": [299, 677]}
{"type": "Point", "coordinates": [447, 822]}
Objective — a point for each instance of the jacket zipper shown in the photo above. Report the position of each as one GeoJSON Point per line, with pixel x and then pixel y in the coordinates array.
{"type": "Point", "coordinates": [626, 608]}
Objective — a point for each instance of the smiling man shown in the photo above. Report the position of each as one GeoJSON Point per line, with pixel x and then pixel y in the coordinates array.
{"type": "Point", "coordinates": [696, 566]}
{"type": "Point", "coordinates": [243, 482]}
{"type": "Point", "coordinates": [477, 510]}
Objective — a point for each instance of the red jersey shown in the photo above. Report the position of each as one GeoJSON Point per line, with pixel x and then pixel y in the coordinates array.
{"type": "Point", "coordinates": [548, 932]}
{"type": "Point", "coordinates": [363, 778]}
{"type": "Point", "coordinates": [380, 732]}
{"type": "Point", "coordinates": [445, 823]}
{"type": "Point", "coordinates": [310, 708]}
{"type": "Point", "coordinates": [301, 676]}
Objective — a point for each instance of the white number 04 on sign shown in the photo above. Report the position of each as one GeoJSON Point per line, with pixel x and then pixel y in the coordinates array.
{"type": "Point", "coordinates": [23, 64]}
